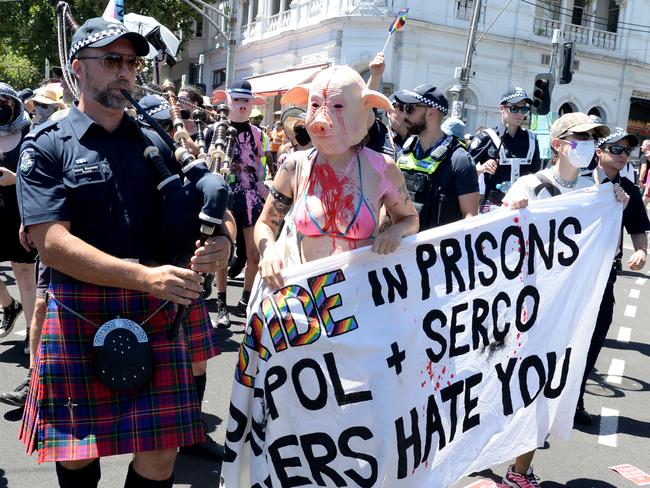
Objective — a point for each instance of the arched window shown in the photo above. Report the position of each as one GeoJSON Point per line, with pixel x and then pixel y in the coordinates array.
{"type": "Point", "coordinates": [598, 112]}
{"type": "Point", "coordinates": [567, 108]}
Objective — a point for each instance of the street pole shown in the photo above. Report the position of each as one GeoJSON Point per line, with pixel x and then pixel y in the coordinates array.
{"type": "Point", "coordinates": [229, 39]}
{"type": "Point", "coordinates": [463, 72]}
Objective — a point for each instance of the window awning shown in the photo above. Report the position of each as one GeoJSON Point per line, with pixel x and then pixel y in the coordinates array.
{"type": "Point", "coordinates": [278, 82]}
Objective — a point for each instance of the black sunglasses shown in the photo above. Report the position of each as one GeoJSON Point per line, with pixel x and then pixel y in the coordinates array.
{"type": "Point", "coordinates": [618, 150]}
{"type": "Point", "coordinates": [409, 108]}
{"type": "Point", "coordinates": [516, 109]}
{"type": "Point", "coordinates": [579, 136]}
{"type": "Point", "coordinates": [115, 61]}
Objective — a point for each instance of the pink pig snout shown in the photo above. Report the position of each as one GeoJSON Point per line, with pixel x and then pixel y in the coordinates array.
{"type": "Point", "coordinates": [321, 125]}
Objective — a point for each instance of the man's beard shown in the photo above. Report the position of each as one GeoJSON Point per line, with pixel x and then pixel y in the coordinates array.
{"type": "Point", "coordinates": [415, 128]}
{"type": "Point", "coordinates": [110, 99]}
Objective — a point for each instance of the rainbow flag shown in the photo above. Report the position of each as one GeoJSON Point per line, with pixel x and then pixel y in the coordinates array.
{"type": "Point", "coordinates": [400, 20]}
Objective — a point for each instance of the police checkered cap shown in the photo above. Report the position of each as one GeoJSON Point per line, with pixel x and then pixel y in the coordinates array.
{"type": "Point", "coordinates": [99, 32]}
{"type": "Point", "coordinates": [241, 88]}
{"type": "Point", "coordinates": [616, 135]}
{"type": "Point", "coordinates": [514, 94]}
{"type": "Point", "coordinates": [156, 106]}
{"type": "Point", "coordinates": [425, 94]}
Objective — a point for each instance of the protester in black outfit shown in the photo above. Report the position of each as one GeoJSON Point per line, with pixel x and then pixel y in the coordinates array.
{"type": "Point", "coordinates": [508, 151]}
{"type": "Point", "coordinates": [14, 126]}
{"type": "Point", "coordinates": [439, 173]}
{"type": "Point", "coordinates": [612, 153]}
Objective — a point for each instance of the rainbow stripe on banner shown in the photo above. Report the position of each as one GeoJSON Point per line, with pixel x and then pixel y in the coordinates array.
{"type": "Point", "coordinates": [400, 20]}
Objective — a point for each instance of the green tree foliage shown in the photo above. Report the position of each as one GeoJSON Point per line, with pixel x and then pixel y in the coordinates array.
{"type": "Point", "coordinates": [17, 70]}
{"type": "Point", "coordinates": [29, 26]}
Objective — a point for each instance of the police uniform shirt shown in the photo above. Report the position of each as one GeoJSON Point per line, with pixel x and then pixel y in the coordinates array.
{"type": "Point", "coordinates": [463, 178]}
{"type": "Point", "coordinates": [635, 218]}
{"type": "Point", "coordinates": [74, 170]}
{"type": "Point", "coordinates": [483, 148]}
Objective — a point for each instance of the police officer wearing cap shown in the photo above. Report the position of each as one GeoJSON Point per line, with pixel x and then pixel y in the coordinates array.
{"type": "Point", "coordinates": [612, 153]}
{"type": "Point", "coordinates": [508, 151]}
{"type": "Point", "coordinates": [440, 175]}
{"type": "Point", "coordinates": [89, 199]}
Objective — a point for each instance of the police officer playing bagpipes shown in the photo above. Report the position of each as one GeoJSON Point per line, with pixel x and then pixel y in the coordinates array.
{"type": "Point", "coordinates": [508, 151]}
{"type": "Point", "coordinates": [440, 175]}
{"type": "Point", "coordinates": [113, 375]}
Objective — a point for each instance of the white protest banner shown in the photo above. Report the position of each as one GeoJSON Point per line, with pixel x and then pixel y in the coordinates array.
{"type": "Point", "coordinates": [460, 351]}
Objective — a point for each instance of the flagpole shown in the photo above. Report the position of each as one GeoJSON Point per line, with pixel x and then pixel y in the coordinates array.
{"type": "Point", "coordinates": [390, 34]}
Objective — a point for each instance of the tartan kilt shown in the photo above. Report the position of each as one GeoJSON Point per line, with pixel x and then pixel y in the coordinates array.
{"type": "Point", "coordinates": [200, 335]}
{"type": "Point", "coordinates": [164, 413]}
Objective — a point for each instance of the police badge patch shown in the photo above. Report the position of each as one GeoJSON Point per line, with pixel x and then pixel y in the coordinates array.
{"type": "Point", "coordinates": [26, 161]}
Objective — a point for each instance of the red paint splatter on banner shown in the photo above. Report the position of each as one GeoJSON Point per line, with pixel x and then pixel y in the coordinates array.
{"type": "Point", "coordinates": [518, 335]}
{"type": "Point", "coordinates": [437, 385]}
{"type": "Point", "coordinates": [452, 376]}
{"type": "Point", "coordinates": [516, 220]}
{"type": "Point", "coordinates": [448, 383]}
{"type": "Point", "coordinates": [444, 369]}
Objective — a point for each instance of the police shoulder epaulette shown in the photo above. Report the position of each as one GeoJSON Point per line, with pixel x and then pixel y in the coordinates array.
{"type": "Point", "coordinates": [46, 126]}
{"type": "Point", "coordinates": [410, 144]}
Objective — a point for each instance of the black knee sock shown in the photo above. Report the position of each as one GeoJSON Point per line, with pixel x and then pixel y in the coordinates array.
{"type": "Point", "coordinates": [245, 296]}
{"type": "Point", "coordinates": [199, 381]}
{"type": "Point", "coordinates": [134, 480]}
{"type": "Point", "coordinates": [87, 477]}
{"type": "Point", "coordinates": [221, 296]}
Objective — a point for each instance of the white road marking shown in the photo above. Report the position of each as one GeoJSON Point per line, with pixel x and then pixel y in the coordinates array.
{"type": "Point", "coordinates": [624, 334]}
{"type": "Point", "coordinates": [635, 293]}
{"type": "Point", "coordinates": [21, 333]}
{"type": "Point", "coordinates": [615, 371]}
{"type": "Point", "coordinates": [641, 281]}
{"type": "Point", "coordinates": [608, 427]}
{"type": "Point", "coordinates": [630, 311]}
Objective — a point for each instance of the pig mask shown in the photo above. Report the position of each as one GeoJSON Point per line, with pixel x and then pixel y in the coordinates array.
{"type": "Point", "coordinates": [339, 108]}
{"type": "Point", "coordinates": [240, 100]}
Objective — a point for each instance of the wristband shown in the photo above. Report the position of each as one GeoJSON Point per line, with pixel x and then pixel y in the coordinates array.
{"type": "Point", "coordinates": [281, 198]}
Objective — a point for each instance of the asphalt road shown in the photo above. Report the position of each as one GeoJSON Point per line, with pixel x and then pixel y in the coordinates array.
{"type": "Point", "coordinates": [617, 395]}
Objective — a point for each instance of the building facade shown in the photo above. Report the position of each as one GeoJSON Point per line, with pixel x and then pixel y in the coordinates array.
{"type": "Point", "coordinates": [286, 41]}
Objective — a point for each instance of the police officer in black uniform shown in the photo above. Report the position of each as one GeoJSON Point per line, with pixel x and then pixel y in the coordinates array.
{"type": "Point", "coordinates": [439, 173]}
{"type": "Point", "coordinates": [508, 151]}
{"type": "Point", "coordinates": [612, 154]}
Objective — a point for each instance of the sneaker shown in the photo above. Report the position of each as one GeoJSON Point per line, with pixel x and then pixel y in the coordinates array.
{"type": "Point", "coordinates": [18, 397]}
{"type": "Point", "coordinates": [9, 316]}
{"type": "Point", "coordinates": [223, 319]}
{"type": "Point", "coordinates": [582, 417]}
{"type": "Point", "coordinates": [241, 308]}
{"type": "Point", "coordinates": [516, 480]}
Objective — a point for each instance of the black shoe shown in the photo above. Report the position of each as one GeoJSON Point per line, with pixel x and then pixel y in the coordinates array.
{"type": "Point", "coordinates": [208, 449]}
{"type": "Point", "coordinates": [26, 343]}
{"type": "Point", "coordinates": [582, 417]}
{"type": "Point", "coordinates": [241, 308]}
{"type": "Point", "coordinates": [223, 319]}
{"type": "Point", "coordinates": [9, 316]}
{"type": "Point", "coordinates": [18, 397]}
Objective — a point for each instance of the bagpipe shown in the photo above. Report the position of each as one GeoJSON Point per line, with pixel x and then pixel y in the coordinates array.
{"type": "Point", "coordinates": [192, 208]}
{"type": "Point", "coordinates": [222, 145]}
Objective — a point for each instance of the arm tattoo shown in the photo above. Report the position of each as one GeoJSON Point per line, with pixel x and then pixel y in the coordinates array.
{"type": "Point", "coordinates": [385, 223]}
{"type": "Point", "coordinates": [278, 210]}
{"type": "Point", "coordinates": [404, 194]}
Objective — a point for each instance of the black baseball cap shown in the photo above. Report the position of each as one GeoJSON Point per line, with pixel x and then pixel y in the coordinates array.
{"type": "Point", "coordinates": [99, 32]}
{"type": "Point", "coordinates": [426, 94]}
{"type": "Point", "coordinates": [514, 94]}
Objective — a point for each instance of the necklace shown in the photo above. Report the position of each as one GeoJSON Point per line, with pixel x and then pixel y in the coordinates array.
{"type": "Point", "coordinates": [564, 182]}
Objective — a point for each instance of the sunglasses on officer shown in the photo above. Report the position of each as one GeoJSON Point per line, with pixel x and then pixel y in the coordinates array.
{"type": "Point", "coordinates": [409, 108]}
{"type": "Point", "coordinates": [515, 109]}
{"type": "Point", "coordinates": [115, 61]}
{"type": "Point", "coordinates": [617, 150]}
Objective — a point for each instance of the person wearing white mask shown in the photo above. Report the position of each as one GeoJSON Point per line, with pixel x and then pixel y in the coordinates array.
{"type": "Point", "coordinates": [43, 104]}
{"type": "Point", "coordinates": [573, 143]}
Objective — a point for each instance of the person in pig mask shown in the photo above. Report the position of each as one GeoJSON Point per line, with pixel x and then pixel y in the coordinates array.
{"type": "Point", "coordinates": [332, 195]}
{"type": "Point", "coordinates": [247, 187]}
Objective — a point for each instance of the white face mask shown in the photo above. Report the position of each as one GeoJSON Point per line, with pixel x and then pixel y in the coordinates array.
{"type": "Point", "coordinates": [581, 155]}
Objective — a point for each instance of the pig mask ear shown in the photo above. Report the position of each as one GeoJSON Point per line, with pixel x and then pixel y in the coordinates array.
{"type": "Point", "coordinates": [374, 99]}
{"type": "Point", "coordinates": [219, 96]}
{"type": "Point", "coordinates": [298, 95]}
